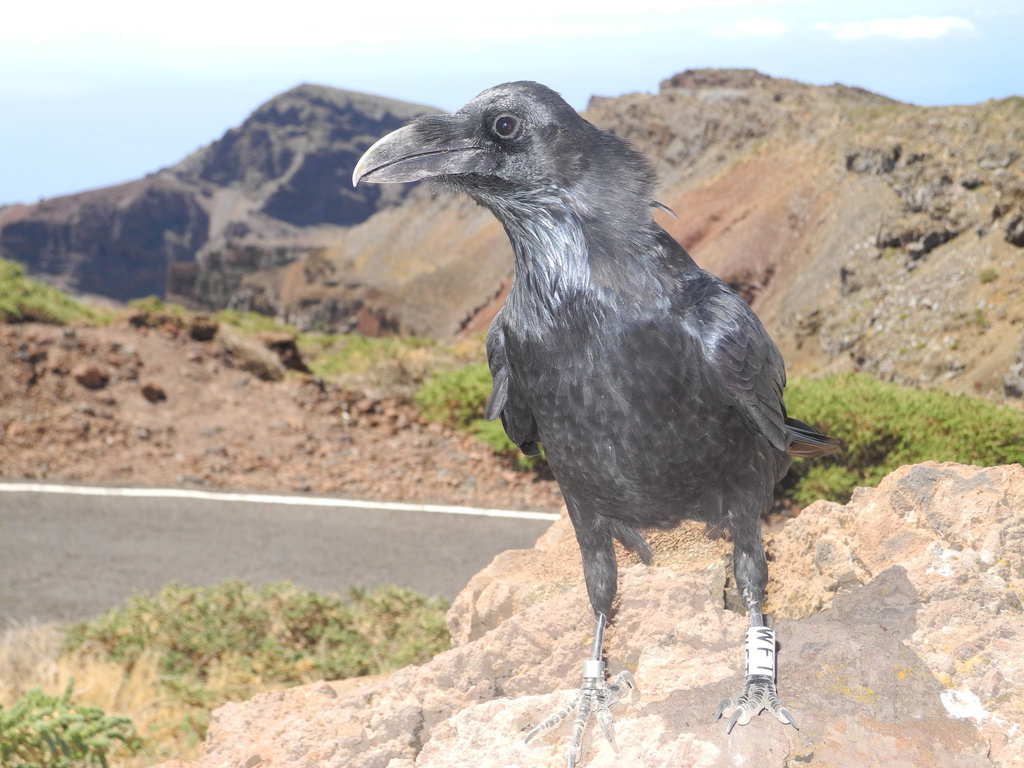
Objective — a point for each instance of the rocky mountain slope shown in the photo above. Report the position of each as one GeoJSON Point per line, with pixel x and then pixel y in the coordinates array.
{"type": "Point", "coordinates": [899, 621]}
{"type": "Point", "coordinates": [285, 170]}
{"type": "Point", "coordinates": [868, 234]}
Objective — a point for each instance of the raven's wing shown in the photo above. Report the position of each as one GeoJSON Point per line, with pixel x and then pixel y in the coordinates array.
{"type": "Point", "coordinates": [505, 400]}
{"type": "Point", "coordinates": [743, 361]}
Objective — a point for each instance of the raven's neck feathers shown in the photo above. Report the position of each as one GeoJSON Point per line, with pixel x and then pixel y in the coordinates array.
{"type": "Point", "coordinates": [568, 256]}
{"type": "Point", "coordinates": [550, 250]}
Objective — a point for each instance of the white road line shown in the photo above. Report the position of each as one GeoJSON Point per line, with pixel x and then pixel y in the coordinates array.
{"type": "Point", "coordinates": [266, 498]}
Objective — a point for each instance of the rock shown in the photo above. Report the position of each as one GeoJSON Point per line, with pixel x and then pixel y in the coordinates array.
{"type": "Point", "coordinates": [146, 237]}
{"type": "Point", "coordinates": [929, 242]}
{"type": "Point", "coordinates": [998, 156]}
{"type": "Point", "coordinates": [202, 328]}
{"type": "Point", "coordinates": [874, 160]}
{"type": "Point", "coordinates": [250, 355]}
{"type": "Point", "coordinates": [1015, 231]}
{"type": "Point", "coordinates": [900, 632]}
{"type": "Point", "coordinates": [116, 241]}
{"type": "Point", "coordinates": [283, 345]}
{"type": "Point", "coordinates": [91, 376]}
{"type": "Point", "coordinates": [1013, 381]}
{"type": "Point", "coordinates": [153, 392]}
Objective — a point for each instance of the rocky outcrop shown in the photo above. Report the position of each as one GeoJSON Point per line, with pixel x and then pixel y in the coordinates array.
{"type": "Point", "coordinates": [899, 622]}
{"type": "Point", "coordinates": [1013, 381]}
{"type": "Point", "coordinates": [293, 157]}
{"type": "Point", "coordinates": [116, 242]}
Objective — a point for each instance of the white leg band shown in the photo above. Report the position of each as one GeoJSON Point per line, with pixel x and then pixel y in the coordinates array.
{"type": "Point", "coordinates": [761, 652]}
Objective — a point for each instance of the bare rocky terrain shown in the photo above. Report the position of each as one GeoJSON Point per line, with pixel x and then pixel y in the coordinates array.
{"type": "Point", "coordinates": [132, 404]}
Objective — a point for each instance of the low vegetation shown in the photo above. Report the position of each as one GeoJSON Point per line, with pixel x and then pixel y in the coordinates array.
{"type": "Point", "coordinates": [165, 660]}
{"type": "Point", "coordinates": [387, 365]}
{"type": "Point", "coordinates": [882, 426]}
{"type": "Point", "coordinates": [211, 643]}
{"type": "Point", "coordinates": [457, 398]}
{"type": "Point", "coordinates": [23, 299]}
{"type": "Point", "coordinates": [41, 731]}
{"type": "Point", "coordinates": [154, 307]}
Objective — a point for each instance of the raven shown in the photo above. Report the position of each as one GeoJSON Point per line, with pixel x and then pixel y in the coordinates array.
{"type": "Point", "coordinates": [653, 387]}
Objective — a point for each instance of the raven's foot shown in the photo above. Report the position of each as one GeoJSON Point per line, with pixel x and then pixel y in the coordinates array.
{"type": "Point", "coordinates": [758, 694]}
{"type": "Point", "coordinates": [596, 697]}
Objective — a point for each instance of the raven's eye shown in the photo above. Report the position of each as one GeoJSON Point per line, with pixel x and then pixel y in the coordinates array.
{"type": "Point", "coordinates": [505, 126]}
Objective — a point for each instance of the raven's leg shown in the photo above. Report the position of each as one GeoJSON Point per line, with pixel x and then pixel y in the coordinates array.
{"type": "Point", "coordinates": [596, 697]}
{"type": "Point", "coordinates": [759, 692]}
{"type": "Point", "coordinates": [596, 694]}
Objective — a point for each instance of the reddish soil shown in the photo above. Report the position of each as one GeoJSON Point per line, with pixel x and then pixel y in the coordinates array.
{"type": "Point", "coordinates": [146, 406]}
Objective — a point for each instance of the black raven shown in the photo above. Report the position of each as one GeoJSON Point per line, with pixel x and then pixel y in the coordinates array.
{"type": "Point", "coordinates": [654, 389]}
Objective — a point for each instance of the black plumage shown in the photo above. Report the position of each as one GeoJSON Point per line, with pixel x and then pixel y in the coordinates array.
{"type": "Point", "coordinates": [654, 389]}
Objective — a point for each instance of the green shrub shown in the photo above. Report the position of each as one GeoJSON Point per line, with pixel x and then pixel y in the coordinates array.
{"type": "Point", "coordinates": [883, 426]}
{"type": "Point", "coordinates": [25, 300]}
{"type": "Point", "coordinates": [987, 275]}
{"type": "Point", "coordinates": [41, 731]}
{"type": "Point", "coordinates": [154, 305]}
{"type": "Point", "coordinates": [252, 322]}
{"type": "Point", "coordinates": [493, 433]}
{"type": "Point", "coordinates": [458, 398]}
{"type": "Point", "coordinates": [331, 355]}
{"type": "Point", "coordinates": [195, 648]}
{"type": "Point", "coordinates": [216, 643]}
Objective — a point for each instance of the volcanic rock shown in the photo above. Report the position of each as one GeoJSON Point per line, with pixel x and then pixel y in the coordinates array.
{"type": "Point", "coordinates": [91, 376]}
{"type": "Point", "coordinates": [153, 392]}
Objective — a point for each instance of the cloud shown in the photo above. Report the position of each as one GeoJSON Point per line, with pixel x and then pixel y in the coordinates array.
{"type": "Point", "coordinates": [912, 28]}
{"type": "Point", "coordinates": [206, 24]}
{"type": "Point", "coordinates": [745, 28]}
{"type": "Point", "coordinates": [760, 28]}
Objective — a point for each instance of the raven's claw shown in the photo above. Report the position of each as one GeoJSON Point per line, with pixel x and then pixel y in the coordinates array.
{"type": "Point", "coordinates": [595, 696]}
{"type": "Point", "coordinates": [758, 693]}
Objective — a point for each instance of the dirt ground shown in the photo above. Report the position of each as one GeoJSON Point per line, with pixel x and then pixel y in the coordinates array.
{"type": "Point", "coordinates": [131, 404]}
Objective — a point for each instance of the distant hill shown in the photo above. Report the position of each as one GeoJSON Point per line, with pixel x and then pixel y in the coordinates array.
{"type": "Point", "coordinates": [286, 169]}
{"type": "Point", "coordinates": [868, 234]}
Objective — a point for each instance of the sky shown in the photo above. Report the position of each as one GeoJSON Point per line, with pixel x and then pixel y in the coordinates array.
{"type": "Point", "coordinates": [97, 93]}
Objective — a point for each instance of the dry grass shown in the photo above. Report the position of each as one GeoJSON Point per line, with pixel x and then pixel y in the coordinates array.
{"type": "Point", "coordinates": [165, 661]}
{"type": "Point", "coordinates": [30, 658]}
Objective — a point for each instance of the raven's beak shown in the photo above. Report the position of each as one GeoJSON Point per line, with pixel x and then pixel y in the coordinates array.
{"type": "Point", "coordinates": [428, 147]}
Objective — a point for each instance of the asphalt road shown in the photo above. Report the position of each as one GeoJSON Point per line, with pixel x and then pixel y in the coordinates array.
{"type": "Point", "coordinates": [65, 557]}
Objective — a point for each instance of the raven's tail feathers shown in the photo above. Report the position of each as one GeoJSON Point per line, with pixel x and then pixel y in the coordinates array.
{"type": "Point", "coordinates": [808, 442]}
{"type": "Point", "coordinates": [631, 539]}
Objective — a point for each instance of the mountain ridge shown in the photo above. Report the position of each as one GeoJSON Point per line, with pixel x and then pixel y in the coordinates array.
{"type": "Point", "coordinates": [242, 184]}
{"type": "Point", "coordinates": [868, 234]}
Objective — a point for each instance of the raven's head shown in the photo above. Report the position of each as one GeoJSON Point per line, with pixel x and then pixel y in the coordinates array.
{"type": "Point", "coordinates": [517, 141]}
